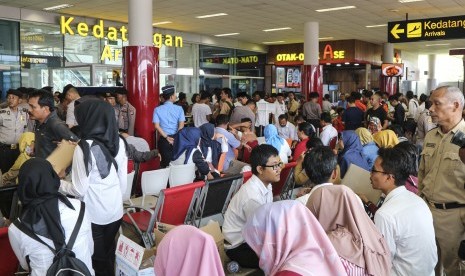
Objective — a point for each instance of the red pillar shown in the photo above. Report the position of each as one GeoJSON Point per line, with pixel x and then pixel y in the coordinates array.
{"type": "Point", "coordinates": [312, 80]}
{"type": "Point", "coordinates": [141, 78]}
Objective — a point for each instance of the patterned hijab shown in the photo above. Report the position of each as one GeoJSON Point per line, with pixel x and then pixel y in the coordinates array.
{"type": "Point", "coordinates": [287, 237]}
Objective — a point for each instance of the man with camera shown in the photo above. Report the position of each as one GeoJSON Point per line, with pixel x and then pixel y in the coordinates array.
{"type": "Point", "coordinates": [441, 175]}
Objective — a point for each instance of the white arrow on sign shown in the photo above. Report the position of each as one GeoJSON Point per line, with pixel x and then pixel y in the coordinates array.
{"type": "Point", "coordinates": [395, 31]}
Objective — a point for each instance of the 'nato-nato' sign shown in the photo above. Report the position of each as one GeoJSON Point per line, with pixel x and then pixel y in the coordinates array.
{"type": "Point", "coordinates": [427, 29]}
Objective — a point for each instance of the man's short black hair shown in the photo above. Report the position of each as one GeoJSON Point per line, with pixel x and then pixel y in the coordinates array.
{"type": "Point", "coordinates": [396, 162]}
{"type": "Point", "coordinates": [260, 155]}
{"type": "Point", "coordinates": [398, 130]}
{"type": "Point", "coordinates": [282, 116]}
{"type": "Point", "coordinates": [246, 119]}
{"type": "Point", "coordinates": [428, 104]}
{"type": "Point", "coordinates": [280, 95]}
{"type": "Point", "coordinates": [356, 95]}
{"type": "Point", "coordinates": [351, 99]}
{"type": "Point", "coordinates": [261, 94]}
{"type": "Point", "coordinates": [227, 91]}
{"type": "Point", "coordinates": [313, 143]}
{"type": "Point", "coordinates": [314, 95]}
{"type": "Point", "coordinates": [204, 95]}
{"type": "Point", "coordinates": [394, 98]}
{"type": "Point", "coordinates": [298, 117]}
{"type": "Point", "coordinates": [222, 119]}
{"type": "Point", "coordinates": [45, 98]}
{"type": "Point", "coordinates": [325, 117]}
{"type": "Point", "coordinates": [327, 97]}
{"type": "Point", "coordinates": [409, 94]}
{"type": "Point", "coordinates": [251, 102]}
{"type": "Point", "coordinates": [423, 97]}
{"type": "Point", "coordinates": [319, 164]}
{"type": "Point", "coordinates": [412, 153]}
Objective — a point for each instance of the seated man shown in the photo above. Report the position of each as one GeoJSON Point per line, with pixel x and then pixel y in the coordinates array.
{"type": "Point", "coordinates": [222, 125]}
{"type": "Point", "coordinates": [286, 129]}
{"type": "Point", "coordinates": [266, 168]}
{"type": "Point", "coordinates": [328, 132]}
{"type": "Point", "coordinates": [404, 219]}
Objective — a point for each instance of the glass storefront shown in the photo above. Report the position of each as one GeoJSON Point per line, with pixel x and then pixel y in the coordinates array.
{"type": "Point", "coordinates": [9, 56]}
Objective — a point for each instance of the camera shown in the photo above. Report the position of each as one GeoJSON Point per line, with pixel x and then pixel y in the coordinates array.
{"type": "Point", "coordinates": [458, 139]}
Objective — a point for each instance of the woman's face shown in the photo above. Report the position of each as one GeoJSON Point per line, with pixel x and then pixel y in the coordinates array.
{"type": "Point", "coordinates": [197, 98]}
{"type": "Point", "coordinates": [373, 128]}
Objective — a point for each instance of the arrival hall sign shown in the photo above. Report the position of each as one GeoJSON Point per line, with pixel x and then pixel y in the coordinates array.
{"type": "Point", "coordinates": [427, 29]}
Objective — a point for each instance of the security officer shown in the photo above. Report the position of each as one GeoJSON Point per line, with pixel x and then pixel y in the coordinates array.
{"type": "Point", "coordinates": [125, 112]}
{"type": "Point", "coordinates": [168, 120]}
{"type": "Point", "coordinates": [13, 122]}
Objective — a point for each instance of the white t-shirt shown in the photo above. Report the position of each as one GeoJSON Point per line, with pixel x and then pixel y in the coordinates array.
{"type": "Point", "coordinates": [264, 109]}
{"type": "Point", "coordinates": [284, 152]}
{"type": "Point", "coordinates": [103, 196]}
{"type": "Point", "coordinates": [40, 256]}
{"type": "Point", "coordinates": [280, 108]}
{"type": "Point", "coordinates": [70, 118]}
{"type": "Point", "coordinates": [288, 131]}
{"type": "Point", "coordinates": [243, 205]}
{"type": "Point", "coordinates": [327, 133]}
{"type": "Point", "coordinates": [406, 223]}
{"type": "Point", "coordinates": [200, 111]}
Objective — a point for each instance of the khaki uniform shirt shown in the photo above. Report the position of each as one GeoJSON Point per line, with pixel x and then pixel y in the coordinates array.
{"type": "Point", "coordinates": [126, 117]}
{"type": "Point", "coordinates": [12, 124]}
{"type": "Point", "coordinates": [441, 176]}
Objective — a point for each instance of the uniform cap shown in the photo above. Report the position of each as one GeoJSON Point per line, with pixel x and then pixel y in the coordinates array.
{"type": "Point", "coordinates": [167, 90]}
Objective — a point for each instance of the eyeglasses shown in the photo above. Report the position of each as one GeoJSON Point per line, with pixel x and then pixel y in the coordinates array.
{"type": "Point", "coordinates": [275, 166]}
{"type": "Point", "coordinates": [376, 171]}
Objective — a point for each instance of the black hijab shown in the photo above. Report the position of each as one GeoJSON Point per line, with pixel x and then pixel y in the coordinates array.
{"type": "Point", "coordinates": [208, 130]}
{"type": "Point", "coordinates": [97, 122]}
{"type": "Point", "coordinates": [38, 192]}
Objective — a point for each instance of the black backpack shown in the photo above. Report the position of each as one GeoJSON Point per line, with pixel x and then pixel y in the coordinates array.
{"type": "Point", "coordinates": [65, 262]}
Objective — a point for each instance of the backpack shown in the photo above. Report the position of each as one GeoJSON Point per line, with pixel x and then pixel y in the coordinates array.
{"type": "Point", "coordinates": [65, 262]}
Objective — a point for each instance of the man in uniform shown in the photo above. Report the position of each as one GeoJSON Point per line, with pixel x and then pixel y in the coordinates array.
{"type": "Point", "coordinates": [50, 130]}
{"type": "Point", "coordinates": [441, 176]}
{"type": "Point", "coordinates": [167, 119]}
{"type": "Point", "coordinates": [71, 94]}
{"type": "Point", "coordinates": [125, 111]}
{"type": "Point", "coordinates": [13, 122]}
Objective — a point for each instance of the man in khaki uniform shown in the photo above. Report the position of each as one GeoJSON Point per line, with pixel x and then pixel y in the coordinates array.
{"type": "Point", "coordinates": [441, 176]}
{"type": "Point", "coordinates": [125, 111]}
{"type": "Point", "coordinates": [292, 106]}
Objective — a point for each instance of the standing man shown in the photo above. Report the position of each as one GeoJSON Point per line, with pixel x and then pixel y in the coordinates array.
{"type": "Point", "coordinates": [280, 107]}
{"type": "Point", "coordinates": [201, 112]}
{"type": "Point", "coordinates": [292, 106]}
{"type": "Point", "coordinates": [13, 122]}
{"type": "Point", "coordinates": [441, 176]}
{"type": "Point", "coordinates": [398, 116]}
{"type": "Point", "coordinates": [168, 119]}
{"type": "Point", "coordinates": [311, 110]}
{"type": "Point", "coordinates": [377, 111]}
{"type": "Point", "coordinates": [50, 130]}
{"type": "Point", "coordinates": [71, 94]}
{"type": "Point", "coordinates": [125, 111]}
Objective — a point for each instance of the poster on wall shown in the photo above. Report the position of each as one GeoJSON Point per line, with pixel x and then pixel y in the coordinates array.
{"type": "Point", "coordinates": [293, 77]}
{"type": "Point", "coordinates": [280, 77]}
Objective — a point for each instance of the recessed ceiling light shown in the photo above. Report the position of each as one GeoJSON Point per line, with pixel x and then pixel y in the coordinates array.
{"type": "Point", "coordinates": [408, 1]}
{"type": "Point", "coordinates": [211, 15]}
{"type": "Point", "coordinates": [336, 9]}
{"type": "Point", "coordinates": [325, 38]}
{"type": "Point", "coordinates": [161, 23]}
{"type": "Point", "coordinates": [346, 63]}
{"type": "Point", "coordinates": [272, 42]}
{"type": "Point", "coordinates": [58, 7]}
{"type": "Point", "coordinates": [227, 34]}
{"type": "Point", "coordinates": [393, 10]}
{"type": "Point", "coordinates": [376, 26]}
{"type": "Point", "coordinates": [438, 44]}
{"type": "Point", "coordinates": [356, 64]}
{"type": "Point", "coordinates": [328, 63]}
{"type": "Point", "coordinates": [338, 64]}
{"type": "Point", "coordinates": [277, 29]}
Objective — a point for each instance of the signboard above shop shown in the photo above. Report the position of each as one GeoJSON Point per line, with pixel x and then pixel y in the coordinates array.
{"type": "Point", "coordinates": [439, 28]}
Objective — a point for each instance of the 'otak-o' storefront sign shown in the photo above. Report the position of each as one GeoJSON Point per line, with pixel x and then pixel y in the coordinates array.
{"type": "Point", "coordinates": [328, 53]}
{"type": "Point", "coordinates": [99, 30]}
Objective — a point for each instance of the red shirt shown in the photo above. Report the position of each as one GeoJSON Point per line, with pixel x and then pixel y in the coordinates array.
{"type": "Point", "coordinates": [300, 148]}
{"type": "Point", "coordinates": [360, 105]}
{"type": "Point", "coordinates": [338, 125]}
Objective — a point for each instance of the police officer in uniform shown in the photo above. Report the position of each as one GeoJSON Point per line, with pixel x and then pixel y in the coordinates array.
{"type": "Point", "coordinates": [168, 119]}
{"type": "Point", "coordinates": [13, 122]}
{"type": "Point", "coordinates": [125, 112]}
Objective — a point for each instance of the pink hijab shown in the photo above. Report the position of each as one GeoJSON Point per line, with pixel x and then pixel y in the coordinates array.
{"type": "Point", "coordinates": [186, 250]}
{"type": "Point", "coordinates": [351, 231]}
{"type": "Point", "coordinates": [287, 237]}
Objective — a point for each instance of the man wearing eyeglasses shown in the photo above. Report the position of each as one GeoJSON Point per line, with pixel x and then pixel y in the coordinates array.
{"type": "Point", "coordinates": [404, 219]}
{"type": "Point", "coordinates": [266, 168]}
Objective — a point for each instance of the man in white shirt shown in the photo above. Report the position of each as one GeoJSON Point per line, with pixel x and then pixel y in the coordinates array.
{"type": "Point", "coordinates": [280, 107]}
{"type": "Point", "coordinates": [266, 168]}
{"type": "Point", "coordinates": [201, 112]}
{"type": "Point", "coordinates": [328, 131]}
{"type": "Point", "coordinates": [412, 106]}
{"type": "Point", "coordinates": [264, 109]}
{"type": "Point", "coordinates": [404, 219]}
{"type": "Point", "coordinates": [285, 128]}
{"type": "Point", "coordinates": [71, 94]}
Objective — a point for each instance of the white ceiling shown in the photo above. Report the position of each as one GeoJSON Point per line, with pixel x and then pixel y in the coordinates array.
{"type": "Point", "coordinates": [251, 17]}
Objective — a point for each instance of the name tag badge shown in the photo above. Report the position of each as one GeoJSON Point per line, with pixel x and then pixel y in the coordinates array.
{"type": "Point", "coordinates": [430, 145]}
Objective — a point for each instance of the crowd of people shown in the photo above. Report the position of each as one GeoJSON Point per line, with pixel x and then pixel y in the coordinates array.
{"type": "Point", "coordinates": [404, 143]}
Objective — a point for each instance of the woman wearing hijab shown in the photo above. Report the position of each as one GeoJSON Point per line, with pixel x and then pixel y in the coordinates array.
{"type": "Point", "coordinates": [361, 247]}
{"type": "Point", "coordinates": [186, 151]}
{"type": "Point", "coordinates": [272, 138]}
{"type": "Point", "coordinates": [386, 139]}
{"type": "Point", "coordinates": [99, 177]}
{"type": "Point", "coordinates": [289, 241]}
{"type": "Point", "coordinates": [26, 150]}
{"type": "Point", "coordinates": [51, 216]}
{"type": "Point", "coordinates": [370, 149]}
{"type": "Point", "coordinates": [375, 126]}
{"type": "Point", "coordinates": [186, 251]}
{"type": "Point", "coordinates": [210, 148]}
{"type": "Point", "coordinates": [351, 152]}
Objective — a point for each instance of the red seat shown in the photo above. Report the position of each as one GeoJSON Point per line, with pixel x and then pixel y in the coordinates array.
{"type": "Point", "coordinates": [333, 142]}
{"type": "Point", "coordinates": [175, 206]}
{"type": "Point", "coordinates": [8, 262]}
{"type": "Point", "coordinates": [130, 166]}
{"type": "Point", "coordinates": [285, 172]}
{"type": "Point", "coordinates": [246, 153]}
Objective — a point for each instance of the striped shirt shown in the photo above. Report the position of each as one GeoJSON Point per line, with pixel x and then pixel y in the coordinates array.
{"type": "Point", "coordinates": [353, 269]}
